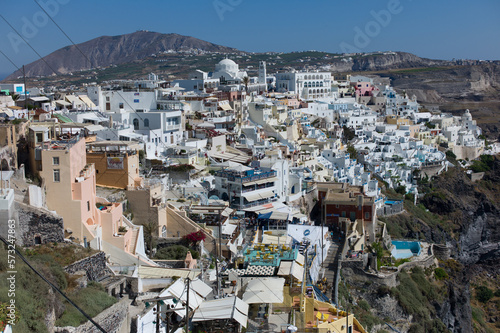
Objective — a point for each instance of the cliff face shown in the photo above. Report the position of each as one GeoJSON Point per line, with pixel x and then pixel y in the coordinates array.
{"type": "Point", "coordinates": [473, 209]}
{"type": "Point", "coordinates": [464, 215]}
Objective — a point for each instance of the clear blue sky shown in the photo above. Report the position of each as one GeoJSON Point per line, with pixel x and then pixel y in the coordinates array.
{"type": "Point", "coordinates": [433, 29]}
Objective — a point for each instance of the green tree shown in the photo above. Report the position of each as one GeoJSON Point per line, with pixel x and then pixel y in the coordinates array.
{"type": "Point", "coordinates": [353, 153]}
{"type": "Point", "coordinates": [246, 81]}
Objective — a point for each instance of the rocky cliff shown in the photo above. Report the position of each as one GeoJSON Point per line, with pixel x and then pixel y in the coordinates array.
{"type": "Point", "coordinates": [384, 61]}
{"type": "Point", "coordinates": [462, 216]}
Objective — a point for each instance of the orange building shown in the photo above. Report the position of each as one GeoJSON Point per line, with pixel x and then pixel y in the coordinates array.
{"type": "Point", "coordinates": [116, 163]}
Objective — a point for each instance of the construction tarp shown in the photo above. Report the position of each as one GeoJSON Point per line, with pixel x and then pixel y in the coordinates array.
{"type": "Point", "coordinates": [224, 308]}
{"type": "Point", "coordinates": [179, 290]}
{"type": "Point", "coordinates": [62, 102]}
{"type": "Point", "coordinates": [278, 215]}
{"type": "Point", "coordinates": [264, 290]}
{"type": "Point", "coordinates": [285, 268]}
{"type": "Point", "coordinates": [297, 271]}
{"type": "Point", "coordinates": [291, 268]}
{"type": "Point", "coordinates": [200, 287]}
{"type": "Point", "coordinates": [95, 128]}
{"type": "Point", "coordinates": [271, 239]}
{"type": "Point", "coordinates": [252, 196]}
{"type": "Point", "coordinates": [85, 99]}
{"type": "Point", "coordinates": [225, 106]}
{"type": "Point", "coordinates": [146, 272]}
{"type": "Point", "coordinates": [228, 228]}
{"type": "Point", "coordinates": [300, 259]}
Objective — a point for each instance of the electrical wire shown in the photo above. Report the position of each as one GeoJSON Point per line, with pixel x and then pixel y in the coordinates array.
{"type": "Point", "coordinates": [12, 62]}
{"type": "Point", "coordinates": [65, 34]}
{"type": "Point", "coordinates": [38, 54]}
{"type": "Point", "coordinates": [54, 287]}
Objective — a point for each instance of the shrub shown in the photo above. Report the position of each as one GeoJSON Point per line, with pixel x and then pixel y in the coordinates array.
{"type": "Point", "coordinates": [401, 189]}
{"type": "Point", "coordinates": [194, 237]}
{"type": "Point", "coordinates": [364, 305]}
{"type": "Point", "coordinates": [175, 252]}
{"type": "Point", "coordinates": [451, 155]}
{"type": "Point", "coordinates": [440, 273]}
{"type": "Point", "coordinates": [484, 294]}
{"type": "Point", "coordinates": [93, 300]}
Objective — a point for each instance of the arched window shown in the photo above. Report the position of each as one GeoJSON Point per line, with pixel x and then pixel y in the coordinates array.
{"type": "Point", "coordinates": [321, 84]}
{"type": "Point", "coordinates": [321, 77]}
{"type": "Point", "coordinates": [164, 232]}
{"type": "Point", "coordinates": [136, 124]}
{"type": "Point", "coordinates": [146, 122]}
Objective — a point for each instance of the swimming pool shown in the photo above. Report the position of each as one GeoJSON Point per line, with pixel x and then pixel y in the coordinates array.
{"type": "Point", "coordinates": [404, 249]}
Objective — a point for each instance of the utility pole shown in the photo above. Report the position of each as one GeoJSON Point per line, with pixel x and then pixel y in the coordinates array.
{"type": "Point", "coordinates": [347, 316]}
{"type": "Point", "coordinates": [25, 92]}
{"type": "Point", "coordinates": [187, 307]}
{"type": "Point", "coordinates": [322, 246]}
{"type": "Point", "coordinates": [216, 266]}
{"type": "Point", "coordinates": [157, 316]}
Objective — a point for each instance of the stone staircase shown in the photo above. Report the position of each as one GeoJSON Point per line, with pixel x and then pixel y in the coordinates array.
{"type": "Point", "coordinates": [135, 233]}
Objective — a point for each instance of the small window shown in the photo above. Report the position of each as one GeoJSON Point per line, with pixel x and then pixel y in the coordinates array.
{"type": "Point", "coordinates": [367, 215]}
{"type": "Point", "coordinates": [121, 105]}
{"type": "Point", "coordinates": [88, 206]}
{"type": "Point", "coordinates": [55, 160]}
{"type": "Point", "coordinates": [57, 175]}
{"type": "Point", "coordinates": [39, 137]}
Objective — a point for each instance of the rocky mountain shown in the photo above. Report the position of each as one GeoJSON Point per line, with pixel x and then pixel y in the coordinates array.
{"type": "Point", "coordinates": [383, 61]}
{"type": "Point", "coordinates": [113, 50]}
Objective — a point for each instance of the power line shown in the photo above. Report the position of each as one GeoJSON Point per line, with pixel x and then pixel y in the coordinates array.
{"type": "Point", "coordinates": [38, 54]}
{"type": "Point", "coordinates": [53, 286]}
{"type": "Point", "coordinates": [65, 34]}
{"type": "Point", "coordinates": [12, 62]}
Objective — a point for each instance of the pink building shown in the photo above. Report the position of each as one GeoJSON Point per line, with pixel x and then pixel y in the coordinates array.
{"type": "Point", "coordinates": [363, 88]}
{"type": "Point", "coordinates": [70, 187]}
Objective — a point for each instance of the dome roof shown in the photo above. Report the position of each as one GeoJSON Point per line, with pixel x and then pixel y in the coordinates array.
{"type": "Point", "coordinates": [227, 62]}
{"type": "Point", "coordinates": [226, 65]}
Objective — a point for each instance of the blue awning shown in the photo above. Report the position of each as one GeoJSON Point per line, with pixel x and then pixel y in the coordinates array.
{"type": "Point", "coordinates": [264, 216]}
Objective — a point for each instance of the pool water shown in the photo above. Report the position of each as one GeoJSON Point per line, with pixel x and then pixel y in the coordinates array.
{"type": "Point", "coordinates": [404, 249]}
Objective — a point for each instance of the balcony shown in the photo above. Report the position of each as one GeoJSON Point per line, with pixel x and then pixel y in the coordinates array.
{"type": "Point", "coordinates": [87, 170]}
{"type": "Point", "coordinates": [172, 127]}
{"type": "Point", "coordinates": [233, 176]}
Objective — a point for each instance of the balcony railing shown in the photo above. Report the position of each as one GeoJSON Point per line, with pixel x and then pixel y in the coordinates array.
{"type": "Point", "coordinates": [60, 144]}
{"type": "Point", "coordinates": [231, 176]}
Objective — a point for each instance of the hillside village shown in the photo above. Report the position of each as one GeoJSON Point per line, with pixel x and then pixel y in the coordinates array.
{"type": "Point", "coordinates": [274, 183]}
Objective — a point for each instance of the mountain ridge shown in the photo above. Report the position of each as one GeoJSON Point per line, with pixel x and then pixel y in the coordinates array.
{"type": "Point", "coordinates": [105, 51]}
{"type": "Point", "coordinates": [113, 50]}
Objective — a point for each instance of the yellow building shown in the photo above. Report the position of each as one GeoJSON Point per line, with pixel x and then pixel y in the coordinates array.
{"type": "Point", "coordinates": [324, 317]}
